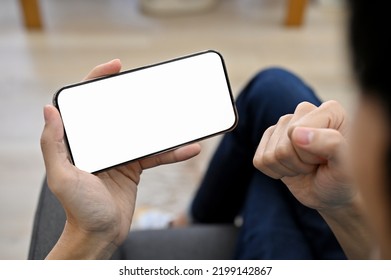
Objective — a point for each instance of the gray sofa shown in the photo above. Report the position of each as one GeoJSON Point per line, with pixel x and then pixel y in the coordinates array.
{"type": "Point", "coordinates": [202, 242]}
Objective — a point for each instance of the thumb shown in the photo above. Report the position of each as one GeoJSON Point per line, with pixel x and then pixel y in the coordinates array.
{"type": "Point", "coordinates": [318, 145]}
{"type": "Point", "coordinates": [52, 145]}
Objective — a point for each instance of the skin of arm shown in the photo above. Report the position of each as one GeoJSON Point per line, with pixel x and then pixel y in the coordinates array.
{"type": "Point", "coordinates": [99, 208]}
{"type": "Point", "coordinates": [307, 150]}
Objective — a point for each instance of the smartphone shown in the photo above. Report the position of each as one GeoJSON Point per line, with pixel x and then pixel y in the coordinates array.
{"type": "Point", "coordinates": [137, 113]}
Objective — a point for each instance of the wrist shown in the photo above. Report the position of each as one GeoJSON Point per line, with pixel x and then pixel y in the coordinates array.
{"type": "Point", "coordinates": [77, 244]}
{"type": "Point", "coordinates": [350, 227]}
{"type": "Point", "coordinates": [348, 211]}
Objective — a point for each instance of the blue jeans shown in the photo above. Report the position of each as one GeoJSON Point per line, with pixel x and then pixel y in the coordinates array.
{"type": "Point", "coordinates": [275, 225]}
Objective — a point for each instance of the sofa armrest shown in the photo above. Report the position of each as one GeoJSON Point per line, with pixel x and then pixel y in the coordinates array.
{"type": "Point", "coordinates": [195, 242]}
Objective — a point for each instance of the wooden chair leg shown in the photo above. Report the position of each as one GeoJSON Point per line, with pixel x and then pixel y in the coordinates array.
{"type": "Point", "coordinates": [31, 14]}
{"type": "Point", "coordinates": [295, 12]}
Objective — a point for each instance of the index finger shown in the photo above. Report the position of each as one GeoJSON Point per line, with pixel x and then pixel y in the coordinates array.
{"type": "Point", "coordinates": [329, 115]}
{"type": "Point", "coordinates": [177, 155]}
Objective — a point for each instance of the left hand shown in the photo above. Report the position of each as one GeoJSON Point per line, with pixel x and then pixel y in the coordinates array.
{"type": "Point", "coordinates": [99, 208]}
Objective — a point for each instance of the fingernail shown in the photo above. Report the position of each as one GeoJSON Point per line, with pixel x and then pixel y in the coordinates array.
{"type": "Point", "coordinates": [303, 136]}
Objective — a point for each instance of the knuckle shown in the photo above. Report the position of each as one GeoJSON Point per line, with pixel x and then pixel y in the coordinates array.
{"type": "Point", "coordinates": [335, 113]}
{"type": "Point", "coordinates": [284, 119]}
{"type": "Point", "coordinates": [304, 107]}
{"type": "Point", "coordinates": [43, 140]}
{"type": "Point", "coordinates": [264, 167]}
{"type": "Point", "coordinates": [257, 161]}
{"type": "Point", "coordinates": [331, 104]}
{"type": "Point", "coordinates": [267, 134]}
{"type": "Point", "coordinates": [268, 159]}
{"type": "Point", "coordinates": [282, 153]}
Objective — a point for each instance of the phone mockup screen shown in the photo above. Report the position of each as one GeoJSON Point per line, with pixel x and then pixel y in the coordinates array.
{"type": "Point", "coordinates": [137, 113]}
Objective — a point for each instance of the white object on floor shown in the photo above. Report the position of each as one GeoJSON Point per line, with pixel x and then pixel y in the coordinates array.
{"type": "Point", "coordinates": [171, 7]}
{"type": "Point", "coordinates": [152, 219]}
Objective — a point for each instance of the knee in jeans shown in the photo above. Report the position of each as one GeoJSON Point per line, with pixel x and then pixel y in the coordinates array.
{"type": "Point", "coordinates": [269, 84]}
{"type": "Point", "coordinates": [273, 73]}
{"type": "Point", "coordinates": [274, 86]}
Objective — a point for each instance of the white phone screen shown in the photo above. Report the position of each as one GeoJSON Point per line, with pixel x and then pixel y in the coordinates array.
{"type": "Point", "coordinates": [138, 113]}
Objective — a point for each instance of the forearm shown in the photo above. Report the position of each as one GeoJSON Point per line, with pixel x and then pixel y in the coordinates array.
{"type": "Point", "coordinates": [74, 244]}
{"type": "Point", "coordinates": [351, 230]}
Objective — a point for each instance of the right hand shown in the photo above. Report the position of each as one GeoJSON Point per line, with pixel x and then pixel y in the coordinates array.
{"type": "Point", "coordinates": [307, 150]}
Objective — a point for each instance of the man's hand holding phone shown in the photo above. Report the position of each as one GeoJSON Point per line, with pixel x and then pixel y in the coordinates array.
{"type": "Point", "coordinates": [99, 208]}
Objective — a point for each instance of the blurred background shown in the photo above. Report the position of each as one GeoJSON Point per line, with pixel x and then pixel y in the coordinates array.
{"type": "Point", "coordinates": [77, 35]}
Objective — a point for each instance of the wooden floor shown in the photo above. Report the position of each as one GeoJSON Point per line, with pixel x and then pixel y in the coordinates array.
{"type": "Point", "coordinates": [80, 34]}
